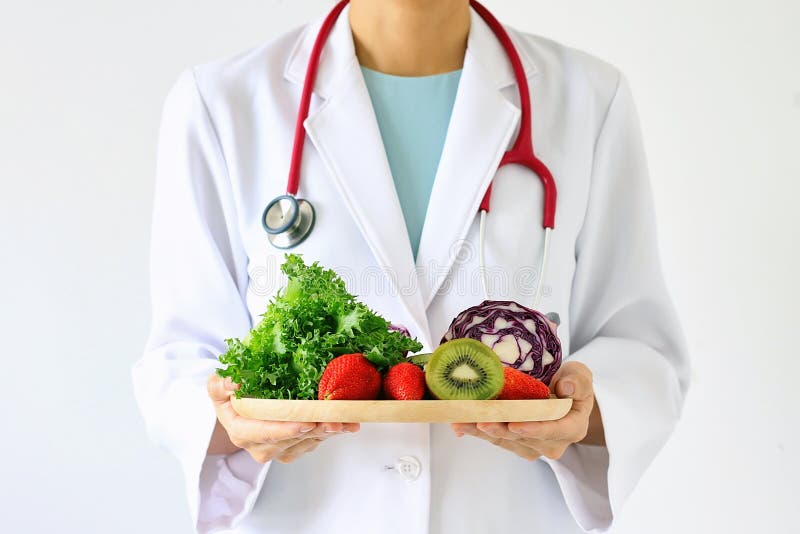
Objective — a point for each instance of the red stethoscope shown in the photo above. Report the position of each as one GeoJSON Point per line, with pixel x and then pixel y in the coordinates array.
{"type": "Point", "coordinates": [289, 220]}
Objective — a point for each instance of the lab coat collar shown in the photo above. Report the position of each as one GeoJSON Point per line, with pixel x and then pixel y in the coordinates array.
{"type": "Point", "coordinates": [339, 51]}
{"type": "Point", "coordinates": [345, 133]}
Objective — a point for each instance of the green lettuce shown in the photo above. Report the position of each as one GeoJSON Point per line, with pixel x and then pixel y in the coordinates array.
{"type": "Point", "coordinates": [313, 320]}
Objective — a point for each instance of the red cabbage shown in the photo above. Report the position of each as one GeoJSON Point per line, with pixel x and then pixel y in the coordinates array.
{"type": "Point", "coordinates": [523, 338]}
{"type": "Point", "coordinates": [399, 328]}
{"type": "Point", "coordinates": [403, 330]}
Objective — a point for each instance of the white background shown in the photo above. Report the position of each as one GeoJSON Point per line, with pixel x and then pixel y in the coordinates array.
{"type": "Point", "coordinates": [81, 87]}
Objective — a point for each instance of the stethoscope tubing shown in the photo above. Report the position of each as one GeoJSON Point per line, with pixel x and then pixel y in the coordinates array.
{"type": "Point", "coordinates": [520, 153]}
{"type": "Point", "coordinates": [293, 182]}
{"type": "Point", "coordinates": [537, 296]}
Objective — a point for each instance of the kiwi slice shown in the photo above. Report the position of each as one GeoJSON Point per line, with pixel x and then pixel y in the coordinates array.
{"type": "Point", "coordinates": [421, 359]}
{"type": "Point", "coordinates": [464, 369]}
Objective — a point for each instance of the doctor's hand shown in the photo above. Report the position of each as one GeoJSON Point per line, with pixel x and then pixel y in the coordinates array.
{"type": "Point", "coordinates": [264, 440]}
{"type": "Point", "coordinates": [534, 439]}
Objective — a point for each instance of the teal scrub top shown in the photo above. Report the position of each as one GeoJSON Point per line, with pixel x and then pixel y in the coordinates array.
{"type": "Point", "coordinates": [413, 113]}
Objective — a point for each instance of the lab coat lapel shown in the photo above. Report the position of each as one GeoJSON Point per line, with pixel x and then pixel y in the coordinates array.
{"type": "Point", "coordinates": [482, 126]}
{"type": "Point", "coordinates": [345, 133]}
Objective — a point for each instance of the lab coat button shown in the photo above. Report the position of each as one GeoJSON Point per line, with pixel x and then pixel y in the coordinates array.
{"type": "Point", "coordinates": [408, 467]}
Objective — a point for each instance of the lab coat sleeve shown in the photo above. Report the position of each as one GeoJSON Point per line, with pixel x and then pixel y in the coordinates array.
{"type": "Point", "coordinates": [623, 326]}
{"type": "Point", "coordinates": [198, 283]}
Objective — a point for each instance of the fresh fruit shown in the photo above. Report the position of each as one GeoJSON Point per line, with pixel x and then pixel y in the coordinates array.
{"type": "Point", "coordinates": [519, 385]}
{"type": "Point", "coordinates": [464, 369]}
{"type": "Point", "coordinates": [421, 359]}
{"type": "Point", "coordinates": [349, 377]}
{"type": "Point", "coordinates": [404, 381]}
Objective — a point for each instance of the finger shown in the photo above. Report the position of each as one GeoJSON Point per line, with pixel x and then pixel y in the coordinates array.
{"type": "Point", "coordinates": [546, 440]}
{"type": "Point", "coordinates": [541, 430]}
{"type": "Point", "coordinates": [295, 451]}
{"type": "Point", "coordinates": [225, 413]}
{"type": "Point", "coordinates": [461, 428]}
{"type": "Point", "coordinates": [497, 430]}
{"type": "Point", "coordinates": [222, 401]}
{"type": "Point", "coordinates": [321, 433]}
{"type": "Point", "coordinates": [328, 429]}
{"type": "Point", "coordinates": [263, 453]}
{"type": "Point", "coordinates": [552, 449]}
{"type": "Point", "coordinates": [573, 380]}
{"type": "Point", "coordinates": [255, 431]}
{"type": "Point", "coordinates": [244, 430]}
{"type": "Point", "coordinates": [219, 389]}
{"type": "Point", "coordinates": [324, 430]}
{"type": "Point", "coordinates": [571, 427]}
{"type": "Point", "coordinates": [351, 427]}
{"type": "Point", "coordinates": [331, 428]}
{"type": "Point", "coordinates": [230, 386]}
{"type": "Point", "coordinates": [280, 446]}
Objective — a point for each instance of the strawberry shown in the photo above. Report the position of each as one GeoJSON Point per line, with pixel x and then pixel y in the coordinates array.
{"type": "Point", "coordinates": [349, 377]}
{"type": "Point", "coordinates": [519, 385]}
{"type": "Point", "coordinates": [404, 381]}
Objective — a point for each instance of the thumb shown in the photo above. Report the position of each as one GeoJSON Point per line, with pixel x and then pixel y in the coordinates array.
{"type": "Point", "coordinates": [573, 380]}
{"type": "Point", "coordinates": [220, 389]}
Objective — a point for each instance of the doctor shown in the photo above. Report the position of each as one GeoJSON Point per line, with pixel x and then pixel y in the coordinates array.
{"type": "Point", "coordinates": [414, 104]}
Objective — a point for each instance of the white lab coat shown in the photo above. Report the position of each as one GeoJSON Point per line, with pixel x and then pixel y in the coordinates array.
{"type": "Point", "coordinates": [224, 150]}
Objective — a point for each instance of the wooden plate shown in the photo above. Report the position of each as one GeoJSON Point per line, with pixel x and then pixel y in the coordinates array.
{"type": "Point", "coordinates": [387, 411]}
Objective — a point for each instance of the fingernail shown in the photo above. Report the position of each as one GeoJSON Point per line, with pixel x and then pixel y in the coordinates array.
{"type": "Point", "coordinates": [459, 434]}
{"type": "Point", "coordinates": [567, 388]}
{"type": "Point", "coordinates": [307, 429]}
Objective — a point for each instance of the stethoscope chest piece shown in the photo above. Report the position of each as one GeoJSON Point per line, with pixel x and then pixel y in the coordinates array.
{"type": "Point", "coordinates": [288, 221]}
